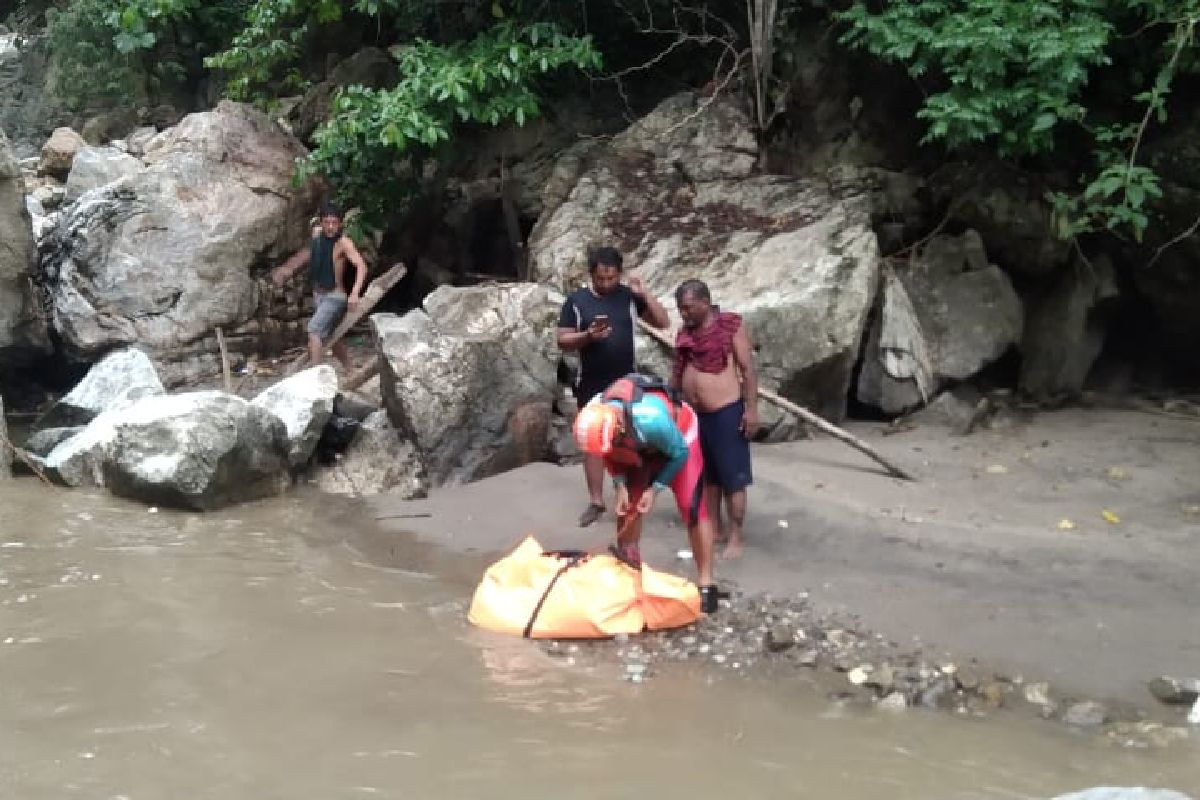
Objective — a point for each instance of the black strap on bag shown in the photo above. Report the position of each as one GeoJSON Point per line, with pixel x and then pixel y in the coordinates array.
{"type": "Point", "coordinates": [574, 557]}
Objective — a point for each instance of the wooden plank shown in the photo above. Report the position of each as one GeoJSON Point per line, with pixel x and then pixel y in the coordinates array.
{"type": "Point", "coordinates": [374, 293]}
{"type": "Point", "coordinates": [803, 413]}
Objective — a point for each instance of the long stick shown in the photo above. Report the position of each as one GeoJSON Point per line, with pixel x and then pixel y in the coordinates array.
{"type": "Point", "coordinates": [225, 373]}
{"type": "Point", "coordinates": [361, 375]}
{"type": "Point", "coordinates": [803, 413]}
{"type": "Point", "coordinates": [374, 293]}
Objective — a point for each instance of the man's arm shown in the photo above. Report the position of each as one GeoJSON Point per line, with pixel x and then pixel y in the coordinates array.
{"type": "Point", "coordinates": [568, 335]}
{"type": "Point", "coordinates": [360, 270]}
{"type": "Point", "coordinates": [571, 339]}
{"type": "Point", "coordinates": [283, 273]}
{"type": "Point", "coordinates": [743, 356]}
{"type": "Point", "coordinates": [659, 431]}
{"type": "Point", "coordinates": [649, 308]}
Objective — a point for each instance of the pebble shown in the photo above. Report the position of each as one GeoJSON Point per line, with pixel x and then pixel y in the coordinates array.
{"type": "Point", "coordinates": [896, 701]}
{"type": "Point", "coordinates": [1037, 694]}
{"type": "Point", "coordinates": [1088, 714]}
{"type": "Point", "coordinates": [1175, 691]}
{"type": "Point", "coordinates": [779, 638]}
{"type": "Point", "coordinates": [858, 676]}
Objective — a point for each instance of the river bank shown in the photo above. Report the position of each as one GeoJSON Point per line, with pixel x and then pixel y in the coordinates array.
{"type": "Point", "coordinates": [1002, 552]}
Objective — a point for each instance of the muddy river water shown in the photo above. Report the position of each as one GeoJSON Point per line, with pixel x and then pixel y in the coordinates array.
{"type": "Point", "coordinates": [259, 653]}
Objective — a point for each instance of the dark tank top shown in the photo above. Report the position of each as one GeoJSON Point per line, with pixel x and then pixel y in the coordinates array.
{"type": "Point", "coordinates": [320, 261]}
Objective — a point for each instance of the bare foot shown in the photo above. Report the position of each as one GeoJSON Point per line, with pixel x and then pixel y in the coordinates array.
{"type": "Point", "coordinates": [732, 551]}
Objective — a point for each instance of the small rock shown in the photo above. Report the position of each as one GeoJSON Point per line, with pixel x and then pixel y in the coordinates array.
{"type": "Point", "coordinates": [1088, 714]}
{"type": "Point", "coordinates": [1194, 714]}
{"type": "Point", "coordinates": [808, 658]}
{"type": "Point", "coordinates": [1037, 694]}
{"type": "Point", "coordinates": [1175, 691]}
{"type": "Point", "coordinates": [859, 675]}
{"type": "Point", "coordinates": [993, 693]}
{"type": "Point", "coordinates": [968, 679]}
{"type": "Point", "coordinates": [882, 679]}
{"type": "Point", "coordinates": [894, 702]}
{"type": "Point", "coordinates": [779, 638]}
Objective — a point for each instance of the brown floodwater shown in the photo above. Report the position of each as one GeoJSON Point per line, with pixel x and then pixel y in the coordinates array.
{"type": "Point", "coordinates": [255, 653]}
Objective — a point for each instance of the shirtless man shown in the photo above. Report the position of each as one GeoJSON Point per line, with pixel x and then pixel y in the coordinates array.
{"type": "Point", "coordinates": [326, 257]}
{"type": "Point", "coordinates": [714, 369]}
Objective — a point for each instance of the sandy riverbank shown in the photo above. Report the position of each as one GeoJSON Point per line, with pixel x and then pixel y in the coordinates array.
{"type": "Point", "coordinates": [972, 558]}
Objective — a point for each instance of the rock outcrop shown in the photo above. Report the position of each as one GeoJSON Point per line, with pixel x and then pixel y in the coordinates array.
{"type": "Point", "coordinates": [163, 257]}
{"type": "Point", "coordinates": [378, 460]}
{"type": "Point", "coordinates": [942, 319]}
{"type": "Point", "coordinates": [454, 373]}
{"type": "Point", "coordinates": [304, 403]}
{"type": "Point", "coordinates": [115, 382]}
{"type": "Point", "coordinates": [94, 167]}
{"type": "Point", "coordinates": [200, 450]}
{"type": "Point", "coordinates": [22, 329]}
{"type": "Point", "coordinates": [677, 193]}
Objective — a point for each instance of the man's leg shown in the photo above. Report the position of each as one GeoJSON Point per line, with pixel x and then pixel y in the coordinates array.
{"type": "Point", "coordinates": [700, 537]}
{"type": "Point", "coordinates": [316, 349]}
{"type": "Point", "coordinates": [736, 502]}
{"type": "Point", "coordinates": [593, 475]}
{"type": "Point", "coordinates": [712, 500]}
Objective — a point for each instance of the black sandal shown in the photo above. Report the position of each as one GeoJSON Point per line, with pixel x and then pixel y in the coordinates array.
{"type": "Point", "coordinates": [709, 598]}
{"type": "Point", "coordinates": [592, 513]}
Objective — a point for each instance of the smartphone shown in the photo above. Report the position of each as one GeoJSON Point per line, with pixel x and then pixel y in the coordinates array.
{"type": "Point", "coordinates": [602, 320]}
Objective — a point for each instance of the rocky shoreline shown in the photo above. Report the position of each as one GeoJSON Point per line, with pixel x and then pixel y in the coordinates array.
{"type": "Point", "coordinates": [759, 634]}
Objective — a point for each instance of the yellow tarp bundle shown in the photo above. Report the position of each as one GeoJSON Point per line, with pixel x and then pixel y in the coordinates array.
{"type": "Point", "coordinates": [597, 597]}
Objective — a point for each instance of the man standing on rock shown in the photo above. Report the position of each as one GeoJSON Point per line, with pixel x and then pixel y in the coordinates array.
{"type": "Point", "coordinates": [714, 369]}
{"type": "Point", "coordinates": [326, 257]}
{"type": "Point", "coordinates": [598, 322]}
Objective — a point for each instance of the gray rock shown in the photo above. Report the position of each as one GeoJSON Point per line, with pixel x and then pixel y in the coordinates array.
{"type": "Point", "coordinates": [1066, 330]}
{"type": "Point", "coordinates": [779, 637]}
{"type": "Point", "coordinates": [457, 375]}
{"type": "Point", "coordinates": [951, 315]}
{"type": "Point", "coordinates": [1088, 714]}
{"type": "Point", "coordinates": [139, 140]}
{"type": "Point", "coordinates": [1175, 691]}
{"type": "Point", "coordinates": [377, 460]}
{"type": "Point", "coordinates": [50, 196]}
{"type": "Point", "coordinates": [23, 334]}
{"type": "Point", "coordinates": [896, 701]}
{"type": "Point", "coordinates": [1123, 793]}
{"type": "Point", "coordinates": [674, 192]}
{"type": "Point", "coordinates": [6, 452]}
{"type": "Point", "coordinates": [116, 381]}
{"type": "Point", "coordinates": [59, 152]}
{"type": "Point", "coordinates": [167, 255]}
{"type": "Point", "coordinates": [958, 409]}
{"type": "Point", "coordinates": [304, 402]}
{"type": "Point", "coordinates": [42, 442]}
{"type": "Point", "coordinates": [109, 125]}
{"type": "Point", "coordinates": [94, 167]}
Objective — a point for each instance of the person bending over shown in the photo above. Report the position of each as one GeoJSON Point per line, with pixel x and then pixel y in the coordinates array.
{"type": "Point", "coordinates": [648, 441]}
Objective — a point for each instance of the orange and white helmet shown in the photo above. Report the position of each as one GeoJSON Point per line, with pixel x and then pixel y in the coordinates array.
{"type": "Point", "coordinates": [596, 428]}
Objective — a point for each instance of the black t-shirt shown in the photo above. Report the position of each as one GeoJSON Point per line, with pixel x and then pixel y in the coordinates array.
{"type": "Point", "coordinates": [609, 358]}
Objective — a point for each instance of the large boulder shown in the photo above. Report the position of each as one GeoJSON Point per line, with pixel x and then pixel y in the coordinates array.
{"type": "Point", "coordinates": [163, 257]}
{"type": "Point", "coordinates": [58, 153]}
{"type": "Point", "coordinates": [116, 381]}
{"type": "Point", "coordinates": [94, 167]}
{"type": "Point", "coordinates": [199, 450]}
{"type": "Point", "coordinates": [454, 373]}
{"type": "Point", "coordinates": [942, 319]}
{"type": "Point", "coordinates": [304, 402]}
{"type": "Point", "coordinates": [22, 329]}
{"type": "Point", "coordinates": [1066, 330]}
{"type": "Point", "coordinates": [378, 460]}
{"type": "Point", "coordinates": [677, 194]}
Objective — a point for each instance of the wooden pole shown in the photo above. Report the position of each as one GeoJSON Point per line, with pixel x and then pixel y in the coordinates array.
{"type": "Point", "coordinates": [361, 375]}
{"type": "Point", "coordinates": [803, 413]}
{"type": "Point", "coordinates": [225, 373]}
{"type": "Point", "coordinates": [374, 293]}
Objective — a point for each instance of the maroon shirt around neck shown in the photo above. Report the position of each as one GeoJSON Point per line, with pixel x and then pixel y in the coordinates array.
{"type": "Point", "coordinates": [707, 349]}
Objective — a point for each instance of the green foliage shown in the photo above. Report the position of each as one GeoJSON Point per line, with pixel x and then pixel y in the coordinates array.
{"type": "Point", "coordinates": [114, 51]}
{"type": "Point", "coordinates": [1013, 73]}
{"type": "Point", "coordinates": [376, 143]}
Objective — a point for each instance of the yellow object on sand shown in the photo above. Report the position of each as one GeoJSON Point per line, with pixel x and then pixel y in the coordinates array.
{"type": "Point", "coordinates": [592, 596]}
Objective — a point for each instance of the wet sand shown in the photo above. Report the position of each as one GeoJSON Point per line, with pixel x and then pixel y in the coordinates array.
{"type": "Point", "coordinates": [974, 559]}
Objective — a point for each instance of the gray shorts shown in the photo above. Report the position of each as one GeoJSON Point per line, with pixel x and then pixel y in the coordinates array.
{"type": "Point", "coordinates": [330, 308]}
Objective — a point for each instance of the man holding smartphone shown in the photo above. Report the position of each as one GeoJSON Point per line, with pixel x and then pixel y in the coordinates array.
{"type": "Point", "coordinates": [597, 321]}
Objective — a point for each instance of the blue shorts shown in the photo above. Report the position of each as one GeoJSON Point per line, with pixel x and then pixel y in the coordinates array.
{"type": "Point", "coordinates": [330, 308]}
{"type": "Point", "coordinates": [726, 451]}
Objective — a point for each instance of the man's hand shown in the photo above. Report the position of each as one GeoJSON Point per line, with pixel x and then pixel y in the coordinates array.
{"type": "Point", "coordinates": [749, 422]}
{"type": "Point", "coordinates": [352, 302]}
{"type": "Point", "coordinates": [622, 501]}
{"type": "Point", "coordinates": [637, 286]}
{"type": "Point", "coordinates": [598, 332]}
{"type": "Point", "coordinates": [646, 501]}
